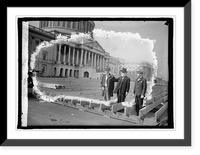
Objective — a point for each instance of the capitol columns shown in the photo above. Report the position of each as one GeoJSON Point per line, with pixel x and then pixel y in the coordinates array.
{"type": "Point", "coordinates": [89, 58]}
{"type": "Point", "coordinates": [59, 53]}
{"type": "Point", "coordinates": [85, 57]}
{"type": "Point", "coordinates": [81, 63]}
{"type": "Point", "coordinates": [100, 65]}
{"type": "Point", "coordinates": [77, 57]}
{"type": "Point", "coordinates": [55, 53]}
{"type": "Point", "coordinates": [95, 60]}
{"type": "Point", "coordinates": [92, 62]}
{"type": "Point", "coordinates": [64, 54]}
{"type": "Point", "coordinates": [103, 62]}
{"type": "Point", "coordinates": [69, 55]}
{"type": "Point", "coordinates": [98, 57]}
{"type": "Point", "coordinates": [73, 57]}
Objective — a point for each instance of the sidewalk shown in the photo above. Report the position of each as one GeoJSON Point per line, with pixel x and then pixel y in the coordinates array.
{"type": "Point", "coordinates": [42, 113]}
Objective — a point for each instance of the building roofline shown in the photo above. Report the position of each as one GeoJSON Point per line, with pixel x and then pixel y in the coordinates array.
{"type": "Point", "coordinates": [41, 31]}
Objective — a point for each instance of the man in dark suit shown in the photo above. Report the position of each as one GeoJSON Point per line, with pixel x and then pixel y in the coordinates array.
{"type": "Point", "coordinates": [123, 86]}
{"type": "Point", "coordinates": [107, 84]}
{"type": "Point", "coordinates": [30, 84]}
{"type": "Point", "coordinates": [139, 90]}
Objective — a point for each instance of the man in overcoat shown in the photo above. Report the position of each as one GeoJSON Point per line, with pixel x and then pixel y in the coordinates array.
{"type": "Point", "coordinates": [107, 84]}
{"type": "Point", "coordinates": [123, 86]}
{"type": "Point", "coordinates": [139, 90]}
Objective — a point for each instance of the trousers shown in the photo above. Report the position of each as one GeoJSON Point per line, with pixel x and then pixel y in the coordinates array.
{"type": "Point", "coordinates": [138, 103]}
{"type": "Point", "coordinates": [106, 94]}
{"type": "Point", "coordinates": [120, 97]}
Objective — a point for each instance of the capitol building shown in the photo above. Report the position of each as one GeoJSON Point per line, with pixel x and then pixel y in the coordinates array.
{"type": "Point", "coordinates": [150, 70]}
{"type": "Point", "coordinates": [70, 59]}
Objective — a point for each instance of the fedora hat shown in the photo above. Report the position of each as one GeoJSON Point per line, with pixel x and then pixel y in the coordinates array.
{"type": "Point", "coordinates": [123, 70]}
{"type": "Point", "coordinates": [107, 68]}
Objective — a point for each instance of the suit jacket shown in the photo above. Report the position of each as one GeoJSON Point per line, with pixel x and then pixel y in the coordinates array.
{"type": "Point", "coordinates": [123, 86]}
{"type": "Point", "coordinates": [110, 83]}
{"type": "Point", "coordinates": [140, 86]}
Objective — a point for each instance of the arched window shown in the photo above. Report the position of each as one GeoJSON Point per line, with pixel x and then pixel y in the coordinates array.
{"type": "Point", "coordinates": [86, 74]}
{"type": "Point", "coordinates": [61, 72]}
{"type": "Point", "coordinates": [70, 73]}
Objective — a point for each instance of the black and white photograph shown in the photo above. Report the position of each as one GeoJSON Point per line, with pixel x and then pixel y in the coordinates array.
{"type": "Point", "coordinates": [96, 72]}
{"type": "Point", "coordinates": [98, 76]}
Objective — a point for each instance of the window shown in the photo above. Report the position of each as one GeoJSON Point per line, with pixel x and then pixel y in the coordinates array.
{"type": "Point", "coordinates": [40, 25]}
{"type": "Point", "coordinates": [43, 69]}
{"type": "Point", "coordinates": [63, 25]}
{"type": "Point", "coordinates": [86, 26]}
{"type": "Point", "coordinates": [83, 28]}
{"type": "Point", "coordinates": [37, 42]}
{"type": "Point", "coordinates": [53, 24]}
{"type": "Point", "coordinates": [49, 23]}
{"type": "Point", "coordinates": [44, 55]}
{"type": "Point", "coordinates": [89, 25]}
{"type": "Point", "coordinates": [68, 24]}
{"type": "Point", "coordinates": [58, 23]}
{"type": "Point", "coordinates": [77, 27]}
{"type": "Point", "coordinates": [74, 25]}
{"type": "Point", "coordinates": [45, 24]}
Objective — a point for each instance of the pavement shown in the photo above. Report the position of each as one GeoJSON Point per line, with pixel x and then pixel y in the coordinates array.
{"type": "Point", "coordinates": [42, 113]}
{"type": "Point", "coordinates": [50, 114]}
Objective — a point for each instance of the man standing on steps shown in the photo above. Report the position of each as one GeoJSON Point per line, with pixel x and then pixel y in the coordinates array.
{"type": "Point", "coordinates": [107, 84]}
{"type": "Point", "coordinates": [123, 86]}
{"type": "Point", "coordinates": [139, 90]}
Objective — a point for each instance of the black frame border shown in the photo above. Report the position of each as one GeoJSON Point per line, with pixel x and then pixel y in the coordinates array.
{"type": "Point", "coordinates": [126, 142]}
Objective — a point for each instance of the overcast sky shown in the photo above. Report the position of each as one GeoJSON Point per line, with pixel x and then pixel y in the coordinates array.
{"type": "Point", "coordinates": [134, 41]}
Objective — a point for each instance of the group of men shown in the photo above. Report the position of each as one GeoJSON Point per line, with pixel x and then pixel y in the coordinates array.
{"type": "Point", "coordinates": [123, 86]}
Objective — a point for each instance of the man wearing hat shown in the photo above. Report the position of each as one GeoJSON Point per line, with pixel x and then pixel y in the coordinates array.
{"type": "Point", "coordinates": [139, 90]}
{"type": "Point", "coordinates": [107, 84]}
{"type": "Point", "coordinates": [123, 86]}
{"type": "Point", "coordinates": [30, 84]}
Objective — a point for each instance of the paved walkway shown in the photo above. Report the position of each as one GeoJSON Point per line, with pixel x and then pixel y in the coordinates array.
{"type": "Point", "coordinates": [44, 113]}
{"type": "Point", "coordinates": [51, 114]}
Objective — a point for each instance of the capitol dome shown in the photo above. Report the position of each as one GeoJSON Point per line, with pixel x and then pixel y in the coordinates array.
{"type": "Point", "coordinates": [67, 27]}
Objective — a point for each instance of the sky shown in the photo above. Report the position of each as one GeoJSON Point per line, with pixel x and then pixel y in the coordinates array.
{"type": "Point", "coordinates": [134, 41]}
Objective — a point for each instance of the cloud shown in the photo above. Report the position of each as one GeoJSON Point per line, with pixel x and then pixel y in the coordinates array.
{"type": "Point", "coordinates": [126, 45]}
